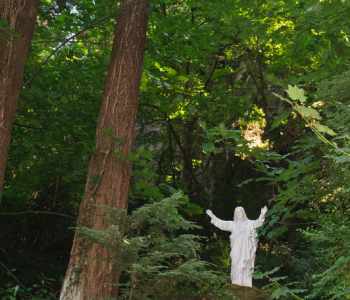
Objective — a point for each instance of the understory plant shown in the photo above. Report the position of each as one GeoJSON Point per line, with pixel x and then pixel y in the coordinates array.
{"type": "Point", "coordinates": [158, 252]}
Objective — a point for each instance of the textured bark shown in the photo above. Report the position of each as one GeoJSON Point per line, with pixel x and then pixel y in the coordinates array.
{"type": "Point", "coordinates": [15, 39]}
{"type": "Point", "coordinates": [91, 272]}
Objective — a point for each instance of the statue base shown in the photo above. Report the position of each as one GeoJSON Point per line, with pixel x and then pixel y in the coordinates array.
{"type": "Point", "coordinates": [247, 293]}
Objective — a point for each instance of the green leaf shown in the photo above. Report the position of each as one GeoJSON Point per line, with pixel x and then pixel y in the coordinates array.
{"type": "Point", "coordinates": [282, 119]}
{"type": "Point", "coordinates": [280, 292]}
{"type": "Point", "coordinates": [324, 129]}
{"type": "Point", "coordinates": [308, 112]}
{"type": "Point", "coordinates": [208, 147]}
{"type": "Point", "coordinates": [296, 93]}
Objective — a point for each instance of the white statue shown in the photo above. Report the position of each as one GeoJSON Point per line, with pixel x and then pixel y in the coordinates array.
{"type": "Point", "coordinates": [244, 242]}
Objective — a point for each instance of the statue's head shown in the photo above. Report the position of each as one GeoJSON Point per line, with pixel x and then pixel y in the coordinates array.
{"type": "Point", "coordinates": [239, 214]}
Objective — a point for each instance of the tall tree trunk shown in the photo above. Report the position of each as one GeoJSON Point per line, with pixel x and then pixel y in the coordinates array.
{"type": "Point", "coordinates": [91, 272]}
{"type": "Point", "coordinates": [15, 39]}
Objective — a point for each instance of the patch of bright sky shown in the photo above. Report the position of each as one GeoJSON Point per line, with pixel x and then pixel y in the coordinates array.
{"type": "Point", "coordinates": [74, 10]}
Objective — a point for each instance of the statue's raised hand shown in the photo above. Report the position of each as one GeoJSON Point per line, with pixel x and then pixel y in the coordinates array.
{"type": "Point", "coordinates": [264, 210]}
{"type": "Point", "coordinates": [209, 213]}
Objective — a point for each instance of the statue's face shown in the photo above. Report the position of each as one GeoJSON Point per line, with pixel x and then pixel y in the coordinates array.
{"type": "Point", "coordinates": [239, 214]}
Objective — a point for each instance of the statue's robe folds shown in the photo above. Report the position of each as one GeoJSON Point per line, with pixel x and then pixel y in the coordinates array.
{"type": "Point", "coordinates": [243, 240]}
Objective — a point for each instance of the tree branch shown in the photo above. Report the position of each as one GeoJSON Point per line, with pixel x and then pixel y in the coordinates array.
{"type": "Point", "coordinates": [36, 212]}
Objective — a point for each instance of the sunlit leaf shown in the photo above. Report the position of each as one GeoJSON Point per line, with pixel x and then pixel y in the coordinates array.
{"type": "Point", "coordinates": [296, 93]}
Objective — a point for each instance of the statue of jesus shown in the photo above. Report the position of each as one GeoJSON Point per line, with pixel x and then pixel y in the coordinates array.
{"type": "Point", "coordinates": [243, 240]}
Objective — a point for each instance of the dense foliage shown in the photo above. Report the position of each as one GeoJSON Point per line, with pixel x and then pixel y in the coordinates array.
{"type": "Point", "coordinates": [159, 260]}
{"type": "Point", "coordinates": [243, 102]}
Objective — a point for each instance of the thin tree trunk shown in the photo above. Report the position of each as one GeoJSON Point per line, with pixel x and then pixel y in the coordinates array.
{"type": "Point", "coordinates": [15, 39]}
{"type": "Point", "coordinates": [91, 272]}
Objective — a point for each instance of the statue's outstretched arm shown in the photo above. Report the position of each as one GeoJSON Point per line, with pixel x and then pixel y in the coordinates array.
{"type": "Point", "coordinates": [260, 221]}
{"type": "Point", "coordinates": [221, 224]}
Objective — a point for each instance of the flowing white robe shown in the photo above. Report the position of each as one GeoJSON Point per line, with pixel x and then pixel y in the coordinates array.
{"type": "Point", "coordinates": [243, 240]}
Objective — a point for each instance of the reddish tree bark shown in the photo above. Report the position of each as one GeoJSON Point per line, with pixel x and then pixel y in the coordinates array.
{"type": "Point", "coordinates": [15, 39]}
{"type": "Point", "coordinates": [91, 272]}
